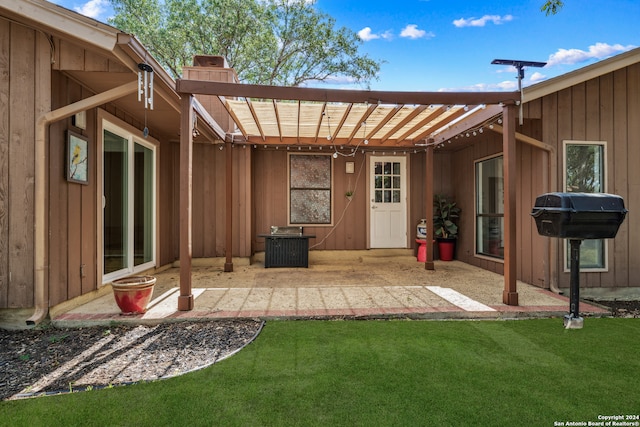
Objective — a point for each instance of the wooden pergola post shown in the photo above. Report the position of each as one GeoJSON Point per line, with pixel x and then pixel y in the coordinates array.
{"type": "Point", "coordinates": [510, 293]}
{"type": "Point", "coordinates": [428, 172]}
{"type": "Point", "coordinates": [185, 300]}
{"type": "Point", "coordinates": [228, 265]}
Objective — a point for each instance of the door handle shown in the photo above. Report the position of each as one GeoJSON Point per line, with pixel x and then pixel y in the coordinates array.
{"type": "Point", "coordinates": [374, 207]}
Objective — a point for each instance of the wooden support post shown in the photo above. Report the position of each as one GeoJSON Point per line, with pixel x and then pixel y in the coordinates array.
{"type": "Point", "coordinates": [510, 293]}
{"type": "Point", "coordinates": [228, 265]}
{"type": "Point", "coordinates": [428, 182]}
{"type": "Point", "coordinates": [185, 300]}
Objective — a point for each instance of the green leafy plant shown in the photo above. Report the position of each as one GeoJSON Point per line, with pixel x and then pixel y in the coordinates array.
{"type": "Point", "coordinates": [444, 215]}
{"type": "Point", "coordinates": [57, 338]}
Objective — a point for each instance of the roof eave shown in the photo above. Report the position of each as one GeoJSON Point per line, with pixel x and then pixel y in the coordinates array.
{"type": "Point", "coordinates": [61, 22]}
{"type": "Point", "coordinates": [581, 75]}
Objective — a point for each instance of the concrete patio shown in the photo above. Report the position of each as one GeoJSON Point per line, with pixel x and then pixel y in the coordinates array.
{"type": "Point", "coordinates": [337, 284]}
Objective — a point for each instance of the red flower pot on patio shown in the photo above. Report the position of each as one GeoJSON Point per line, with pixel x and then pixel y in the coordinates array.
{"type": "Point", "coordinates": [446, 248]}
{"type": "Point", "coordinates": [133, 293]}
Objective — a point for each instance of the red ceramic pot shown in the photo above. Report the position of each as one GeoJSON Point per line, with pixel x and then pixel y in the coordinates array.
{"type": "Point", "coordinates": [133, 293]}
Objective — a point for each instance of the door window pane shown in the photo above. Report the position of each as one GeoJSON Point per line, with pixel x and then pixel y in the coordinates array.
{"type": "Point", "coordinates": [143, 205]}
{"type": "Point", "coordinates": [116, 198]}
{"type": "Point", "coordinates": [388, 177]}
{"type": "Point", "coordinates": [490, 208]}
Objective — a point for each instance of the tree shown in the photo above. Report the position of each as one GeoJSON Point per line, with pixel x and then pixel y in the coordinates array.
{"type": "Point", "coordinates": [274, 42]}
{"type": "Point", "coordinates": [551, 7]}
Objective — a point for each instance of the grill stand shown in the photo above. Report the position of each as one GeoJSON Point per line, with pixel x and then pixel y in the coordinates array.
{"type": "Point", "coordinates": [573, 319]}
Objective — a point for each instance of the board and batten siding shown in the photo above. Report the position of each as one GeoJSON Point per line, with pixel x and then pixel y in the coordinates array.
{"type": "Point", "coordinates": [24, 94]}
{"type": "Point", "coordinates": [607, 109]}
{"type": "Point", "coordinates": [532, 180]}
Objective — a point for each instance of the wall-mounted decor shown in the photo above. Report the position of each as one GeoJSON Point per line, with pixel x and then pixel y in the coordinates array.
{"type": "Point", "coordinates": [79, 120]}
{"type": "Point", "coordinates": [309, 189]}
{"type": "Point", "coordinates": [77, 158]}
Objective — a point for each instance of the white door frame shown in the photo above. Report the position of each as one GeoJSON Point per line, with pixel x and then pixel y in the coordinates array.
{"type": "Point", "coordinates": [399, 224]}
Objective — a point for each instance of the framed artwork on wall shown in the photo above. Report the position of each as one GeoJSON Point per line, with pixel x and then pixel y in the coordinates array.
{"type": "Point", "coordinates": [77, 158]}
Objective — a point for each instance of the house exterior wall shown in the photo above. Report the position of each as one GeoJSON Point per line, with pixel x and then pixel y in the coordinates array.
{"type": "Point", "coordinates": [532, 181]}
{"type": "Point", "coordinates": [209, 201]}
{"type": "Point", "coordinates": [74, 212]}
{"type": "Point", "coordinates": [31, 85]}
{"type": "Point", "coordinates": [24, 93]}
{"type": "Point", "coordinates": [606, 108]}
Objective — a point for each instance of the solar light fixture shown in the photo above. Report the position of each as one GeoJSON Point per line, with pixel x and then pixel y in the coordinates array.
{"type": "Point", "coordinates": [519, 65]}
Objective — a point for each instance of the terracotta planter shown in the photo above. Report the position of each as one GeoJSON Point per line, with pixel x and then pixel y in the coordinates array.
{"type": "Point", "coordinates": [133, 293]}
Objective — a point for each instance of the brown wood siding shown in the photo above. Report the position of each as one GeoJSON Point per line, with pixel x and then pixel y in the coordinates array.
{"type": "Point", "coordinates": [73, 211]}
{"type": "Point", "coordinates": [209, 201]}
{"type": "Point", "coordinates": [20, 73]}
{"type": "Point", "coordinates": [5, 83]}
{"type": "Point", "coordinates": [532, 164]}
{"type": "Point", "coordinates": [632, 183]}
{"type": "Point", "coordinates": [602, 109]}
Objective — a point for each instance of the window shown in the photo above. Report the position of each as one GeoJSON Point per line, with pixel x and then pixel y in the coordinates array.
{"type": "Point", "coordinates": [309, 189]}
{"type": "Point", "coordinates": [128, 189]}
{"type": "Point", "coordinates": [387, 182]}
{"type": "Point", "coordinates": [490, 208]}
{"type": "Point", "coordinates": [585, 173]}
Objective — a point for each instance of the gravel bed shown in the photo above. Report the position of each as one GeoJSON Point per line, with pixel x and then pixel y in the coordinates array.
{"type": "Point", "coordinates": [50, 360]}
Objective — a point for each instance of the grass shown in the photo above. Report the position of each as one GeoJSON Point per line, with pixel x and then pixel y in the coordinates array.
{"type": "Point", "coordinates": [369, 373]}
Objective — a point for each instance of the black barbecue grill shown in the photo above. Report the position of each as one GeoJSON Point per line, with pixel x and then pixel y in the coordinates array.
{"type": "Point", "coordinates": [578, 216]}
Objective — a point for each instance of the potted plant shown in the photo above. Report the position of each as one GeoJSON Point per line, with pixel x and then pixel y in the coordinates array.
{"type": "Point", "coordinates": [349, 194]}
{"type": "Point", "coordinates": [445, 230]}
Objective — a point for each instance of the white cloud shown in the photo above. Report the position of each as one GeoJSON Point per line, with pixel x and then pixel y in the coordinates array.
{"type": "Point", "coordinates": [93, 8]}
{"type": "Point", "coordinates": [536, 77]}
{"type": "Point", "coordinates": [507, 86]}
{"type": "Point", "coordinates": [596, 51]}
{"type": "Point", "coordinates": [481, 22]}
{"type": "Point", "coordinates": [411, 31]}
{"type": "Point", "coordinates": [366, 34]}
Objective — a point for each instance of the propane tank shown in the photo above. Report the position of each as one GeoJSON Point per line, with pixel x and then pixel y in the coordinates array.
{"type": "Point", "coordinates": [421, 229]}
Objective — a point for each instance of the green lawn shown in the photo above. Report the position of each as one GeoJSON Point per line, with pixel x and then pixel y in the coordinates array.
{"type": "Point", "coordinates": [368, 373]}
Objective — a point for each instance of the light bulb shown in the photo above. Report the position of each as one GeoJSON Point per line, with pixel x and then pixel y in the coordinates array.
{"type": "Point", "coordinates": [328, 137]}
{"type": "Point", "coordinates": [366, 141]}
{"type": "Point", "coordinates": [335, 155]}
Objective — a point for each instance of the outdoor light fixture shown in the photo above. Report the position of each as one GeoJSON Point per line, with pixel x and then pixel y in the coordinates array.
{"type": "Point", "coordinates": [519, 65]}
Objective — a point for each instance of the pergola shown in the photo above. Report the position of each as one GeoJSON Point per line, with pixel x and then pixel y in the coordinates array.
{"type": "Point", "coordinates": [312, 117]}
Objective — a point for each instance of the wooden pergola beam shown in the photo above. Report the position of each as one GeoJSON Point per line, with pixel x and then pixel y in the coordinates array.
{"type": "Point", "coordinates": [185, 299]}
{"type": "Point", "coordinates": [510, 293]}
{"type": "Point", "coordinates": [348, 96]}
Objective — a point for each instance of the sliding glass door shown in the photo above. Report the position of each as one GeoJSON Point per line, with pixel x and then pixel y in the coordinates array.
{"type": "Point", "coordinates": [128, 203]}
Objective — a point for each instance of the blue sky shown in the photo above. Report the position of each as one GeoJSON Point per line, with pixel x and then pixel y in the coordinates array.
{"type": "Point", "coordinates": [436, 45]}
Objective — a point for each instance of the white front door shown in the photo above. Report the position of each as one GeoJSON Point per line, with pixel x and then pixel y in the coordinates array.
{"type": "Point", "coordinates": [388, 202]}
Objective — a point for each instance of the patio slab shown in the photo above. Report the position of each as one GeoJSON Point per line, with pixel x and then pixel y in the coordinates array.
{"type": "Point", "coordinates": [344, 284]}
